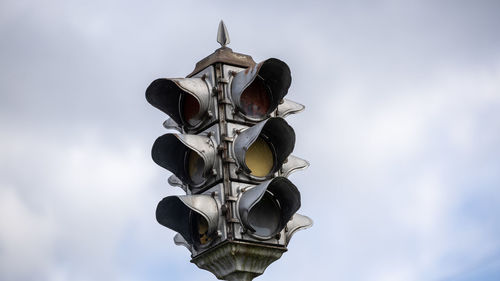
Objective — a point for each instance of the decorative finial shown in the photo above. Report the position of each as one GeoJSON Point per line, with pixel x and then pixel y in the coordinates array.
{"type": "Point", "coordinates": [223, 35]}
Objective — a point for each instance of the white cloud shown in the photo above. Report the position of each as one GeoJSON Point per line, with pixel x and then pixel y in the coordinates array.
{"type": "Point", "coordinates": [26, 238]}
{"type": "Point", "coordinates": [87, 196]}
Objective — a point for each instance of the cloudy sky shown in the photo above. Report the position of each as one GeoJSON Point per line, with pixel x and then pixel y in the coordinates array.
{"type": "Point", "coordinates": [402, 129]}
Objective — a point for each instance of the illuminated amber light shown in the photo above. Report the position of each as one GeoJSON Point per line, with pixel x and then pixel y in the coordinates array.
{"type": "Point", "coordinates": [195, 167]}
{"type": "Point", "coordinates": [259, 158]}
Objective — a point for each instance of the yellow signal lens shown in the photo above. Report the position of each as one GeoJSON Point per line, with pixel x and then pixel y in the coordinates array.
{"type": "Point", "coordinates": [203, 231]}
{"type": "Point", "coordinates": [199, 228]}
{"type": "Point", "coordinates": [259, 158]}
{"type": "Point", "coordinates": [195, 167]}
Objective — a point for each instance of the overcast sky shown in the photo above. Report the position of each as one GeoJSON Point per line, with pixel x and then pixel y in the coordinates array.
{"type": "Point", "coordinates": [402, 130]}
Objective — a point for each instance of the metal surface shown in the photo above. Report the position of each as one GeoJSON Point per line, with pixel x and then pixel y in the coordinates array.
{"type": "Point", "coordinates": [166, 94]}
{"type": "Point", "coordinates": [173, 211]}
{"type": "Point", "coordinates": [229, 206]}
{"type": "Point", "coordinates": [223, 55]}
{"type": "Point", "coordinates": [275, 131]}
{"type": "Point", "coordinates": [172, 125]}
{"type": "Point", "coordinates": [274, 73]}
{"type": "Point", "coordinates": [282, 190]}
{"type": "Point", "coordinates": [298, 222]}
{"type": "Point", "coordinates": [223, 35]}
{"type": "Point", "coordinates": [237, 260]}
{"type": "Point", "coordinates": [293, 164]}
{"type": "Point", "coordinates": [175, 181]}
{"type": "Point", "coordinates": [289, 107]}
{"type": "Point", "coordinates": [180, 241]}
{"type": "Point", "coordinates": [170, 150]}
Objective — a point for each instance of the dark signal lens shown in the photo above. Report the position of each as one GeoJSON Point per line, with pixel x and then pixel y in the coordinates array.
{"type": "Point", "coordinates": [264, 217]}
{"type": "Point", "coordinates": [195, 165]}
{"type": "Point", "coordinates": [255, 100]}
{"type": "Point", "coordinates": [200, 229]}
{"type": "Point", "coordinates": [190, 108]}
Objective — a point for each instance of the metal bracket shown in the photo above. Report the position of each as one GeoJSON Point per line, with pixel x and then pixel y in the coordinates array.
{"type": "Point", "coordinates": [224, 101]}
{"type": "Point", "coordinates": [227, 138]}
{"type": "Point", "coordinates": [229, 160]}
{"type": "Point", "coordinates": [221, 148]}
{"type": "Point", "coordinates": [223, 80]}
{"type": "Point", "coordinates": [233, 220]}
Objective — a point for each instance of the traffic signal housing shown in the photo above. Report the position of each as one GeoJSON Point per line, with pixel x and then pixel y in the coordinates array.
{"type": "Point", "coordinates": [191, 158]}
{"type": "Point", "coordinates": [231, 155]}
{"type": "Point", "coordinates": [257, 91]}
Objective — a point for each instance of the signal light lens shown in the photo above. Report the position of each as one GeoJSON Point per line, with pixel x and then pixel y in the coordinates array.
{"type": "Point", "coordinates": [195, 165]}
{"type": "Point", "coordinates": [256, 100]}
{"type": "Point", "coordinates": [265, 216]}
{"type": "Point", "coordinates": [189, 109]}
{"type": "Point", "coordinates": [259, 158]}
{"type": "Point", "coordinates": [200, 229]}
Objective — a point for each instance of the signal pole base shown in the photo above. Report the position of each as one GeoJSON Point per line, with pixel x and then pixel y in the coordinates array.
{"type": "Point", "coordinates": [238, 261]}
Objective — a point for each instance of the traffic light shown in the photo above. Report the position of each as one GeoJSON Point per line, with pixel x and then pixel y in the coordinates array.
{"type": "Point", "coordinates": [188, 101]}
{"type": "Point", "coordinates": [201, 212]}
{"type": "Point", "coordinates": [266, 208]}
{"type": "Point", "coordinates": [257, 91]}
{"type": "Point", "coordinates": [260, 150]}
{"type": "Point", "coordinates": [191, 158]}
{"type": "Point", "coordinates": [231, 155]}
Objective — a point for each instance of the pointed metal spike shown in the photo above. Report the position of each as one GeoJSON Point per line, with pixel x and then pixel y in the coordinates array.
{"type": "Point", "coordinates": [293, 164]}
{"type": "Point", "coordinates": [289, 107]}
{"type": "Point", "coordinates": [298, 222]}
{"type": "Point", "coordinates": [223, 35]}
